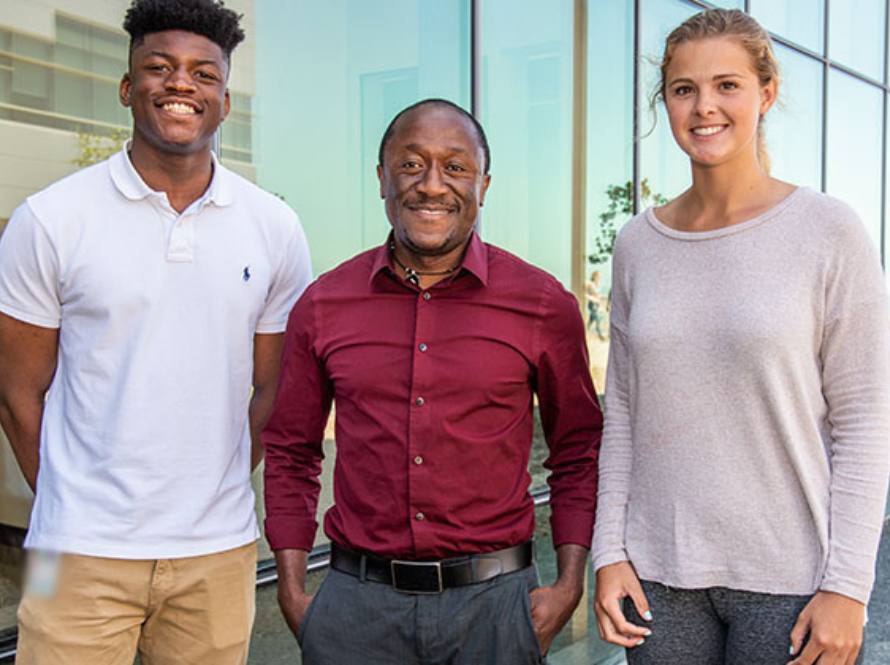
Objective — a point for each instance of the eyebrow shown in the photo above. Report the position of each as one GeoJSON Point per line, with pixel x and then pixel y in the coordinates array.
{"type": "Point", "coordinates": [716, 77]}
{"type": "Point", "coordinates": [168, 56]}
{"type": "Point", "coordinates": [414, 147]}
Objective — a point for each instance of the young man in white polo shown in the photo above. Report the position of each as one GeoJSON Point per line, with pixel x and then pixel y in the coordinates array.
{"type": "Point", "coordinates": [145, 296]}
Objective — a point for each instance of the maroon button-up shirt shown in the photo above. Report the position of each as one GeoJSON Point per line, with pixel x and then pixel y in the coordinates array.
{"type": "Point", "coordinates": [434, 393]}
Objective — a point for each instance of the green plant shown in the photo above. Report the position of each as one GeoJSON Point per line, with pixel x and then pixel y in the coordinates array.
{"type": "Point", "coordinates": [93, 148]}
{"type": "Point", "coordinates": [621, 200]}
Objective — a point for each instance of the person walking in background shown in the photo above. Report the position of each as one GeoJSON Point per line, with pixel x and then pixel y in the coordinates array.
{"type": "Point", "coordinates": [433, 347]}
{"type": "Point", "coordinates": [147, 294]}
{"type": "Point", "coordinates": [745, 456]}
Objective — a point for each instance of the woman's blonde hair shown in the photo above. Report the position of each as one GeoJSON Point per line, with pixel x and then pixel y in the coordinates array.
{"type": "Point", "coordinates": [726, 23]}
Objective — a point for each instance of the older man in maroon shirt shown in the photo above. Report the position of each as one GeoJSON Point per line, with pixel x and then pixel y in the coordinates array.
{"type": "Point", "coordinates": [433, 347]}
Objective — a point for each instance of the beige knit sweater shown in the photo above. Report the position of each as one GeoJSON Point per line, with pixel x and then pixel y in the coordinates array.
{"type": "Point", "coordinates": [747, 436]}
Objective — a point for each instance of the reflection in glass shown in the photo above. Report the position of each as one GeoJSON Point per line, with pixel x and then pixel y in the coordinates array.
{"type": "Point", "coordinates": [853, 151]}
{"type": "Point", "coordinates": [794, 124]}
{"type": "Point", "coordinates": [801, 21]}
{"type": "Point", "coordinates": [527, 112]}
{"type": "Point", "coordinates": [609, 158]}
{"type": "Point", "coordinates": [663, 164]}
{"type": "Point", "coordinates": [329, 77]}
{"type": "Point", "coordinates": [856, 36]}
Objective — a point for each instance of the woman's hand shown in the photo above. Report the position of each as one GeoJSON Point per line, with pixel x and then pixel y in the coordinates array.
{"type": "Point", "coordinates": [614, 583]}
{"type": "Point", "coordinates": [834, 623]}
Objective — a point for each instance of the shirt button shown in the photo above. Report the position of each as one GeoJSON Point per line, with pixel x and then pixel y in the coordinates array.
{"type": "Point", "coordinates": [418, 460]}
{"type": "Point", "coordinates": [420, 517]}
{"type": "Point", "coordinates": [419, 401]}
{"type": "Point", "coordinates": [423, 347]}
{"type": "Point", "coordinates": [426, 295]}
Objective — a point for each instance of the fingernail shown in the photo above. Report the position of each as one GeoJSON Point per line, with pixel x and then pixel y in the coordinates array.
{"type": "Point", "coordinates": [642, 639]}
{"type": "Point", "coordinates": [647, 615]}
{"type": "Point", "coordinates": [648, 633]}
{"type": "Point", "coordinates": [791, 650]}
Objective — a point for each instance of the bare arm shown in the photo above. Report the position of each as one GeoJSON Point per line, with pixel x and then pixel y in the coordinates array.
{"type": "Point", "coordinates": [552, 606]}
{"type": "Point", "coordinates": [28, 356]}
{"type": "Point", "coordinates": [266, 367]}
{"type": "Point", "coordinates": [292, 597]}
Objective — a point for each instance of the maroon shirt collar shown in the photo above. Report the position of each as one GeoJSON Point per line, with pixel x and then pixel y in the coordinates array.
{"type": "Point", "coordinates": [475, 260]}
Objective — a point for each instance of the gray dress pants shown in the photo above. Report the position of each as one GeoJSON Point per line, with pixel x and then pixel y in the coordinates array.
{"type": "Point", "coordinates": [355, 622]}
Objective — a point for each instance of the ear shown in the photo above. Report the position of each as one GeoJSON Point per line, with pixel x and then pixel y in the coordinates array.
{"type": "Point", "coordinates": [124, 90]}
{"type": "Point", "coordinates": [768, 94]}
{"type": "Point", "coordinates": [381, 179]}
{"type": "Point", "coordinates": [227, 104]}
{"type": "Point", "coordinates": [486, 181]}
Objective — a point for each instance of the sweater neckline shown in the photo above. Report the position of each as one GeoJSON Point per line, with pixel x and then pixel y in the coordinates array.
{"type": "Point", "coordinates": [732, 229]}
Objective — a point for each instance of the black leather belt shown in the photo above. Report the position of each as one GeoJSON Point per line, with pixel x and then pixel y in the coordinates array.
{"type": "Point", "coordinates": [431, 576]}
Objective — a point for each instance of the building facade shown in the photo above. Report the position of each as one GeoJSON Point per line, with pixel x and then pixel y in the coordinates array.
{"type": "Point", "coordinates": [562, 88]}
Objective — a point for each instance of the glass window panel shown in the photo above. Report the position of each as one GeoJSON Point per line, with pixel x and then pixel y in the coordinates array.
{"type": "Point", "coordinates": [609, 159]}
{"type": "Point", "coordinates": [729, 4]}
{"type": "Point", "coordinates": [853, 153]}
{"type": "Point", "coordinates": [322, 108]}
{"type": "Point", "coordinates": [527, 113]}
{"type": "Point", "coordinates": [856, 35]}
{"type": "Point", "coordinates": [801, 21]}
{"type": "Point", "coordinates": [664, 166]}
{"type": "Point", "coordinates": [794, 124]}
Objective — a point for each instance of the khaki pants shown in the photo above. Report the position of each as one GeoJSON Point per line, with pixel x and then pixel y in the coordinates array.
{"type": "Point", "coordinates": [189, 611]}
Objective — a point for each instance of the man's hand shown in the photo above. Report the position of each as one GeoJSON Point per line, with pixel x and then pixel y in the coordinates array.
{"type": "Point", "coordinates": [552, 606]}
{"type": "Point", "coordinates": [614, 583]}
{"type": "Point", "coordinates": [292, 597]}
{"type": "Point", "coordinates": [293, 603]}
{"type": "Point", "coordinates": [834, 623]}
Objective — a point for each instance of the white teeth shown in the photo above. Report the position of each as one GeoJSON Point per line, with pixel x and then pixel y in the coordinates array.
{"type": "Point", "coordinates": [708, 131]}
{"type": "Point", "coordinates": [182, 109]}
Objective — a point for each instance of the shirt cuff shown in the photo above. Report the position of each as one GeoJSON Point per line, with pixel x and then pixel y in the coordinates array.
{"type": "Point", "coordinates": [607, 558]}
{"type": "Point", "coordinates": [847, 588]}
{"type": "Point", "coordinates": [286, 532]}
{"type": "Point", "coordinates": [571, 526]}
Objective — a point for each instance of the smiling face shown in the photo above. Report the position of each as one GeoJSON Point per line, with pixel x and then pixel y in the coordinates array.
{"type": "Point", "coordinates": [432, 180]}
{"type": "Point", "coordinates": [176, 89]}
{"type": "Point", "coordinates": [715, 100]}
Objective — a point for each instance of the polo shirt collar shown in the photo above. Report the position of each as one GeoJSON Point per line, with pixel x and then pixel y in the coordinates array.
{"type": "Point", "coordinates": [129, 183]}
{"type": "Point", "coordinates": [475, 259]}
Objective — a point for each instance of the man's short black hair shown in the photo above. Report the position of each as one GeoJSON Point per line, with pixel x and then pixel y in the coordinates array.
{"type": "Point", "coordinates": [209, 18]}
{"type": "Point", "coordinates": [435, 101]}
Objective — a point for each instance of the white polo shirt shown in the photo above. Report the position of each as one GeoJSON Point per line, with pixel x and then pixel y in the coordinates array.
{"type": "Point", "coordinates": [145, 444]}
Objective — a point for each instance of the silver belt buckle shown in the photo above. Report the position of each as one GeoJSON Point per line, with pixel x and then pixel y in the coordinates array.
{"type": "Point", "coordinates": [395, 565]}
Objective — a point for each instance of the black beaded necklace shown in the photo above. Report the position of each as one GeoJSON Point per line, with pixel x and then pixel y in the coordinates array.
{"type": "Point", "coordinates": [413, 275]}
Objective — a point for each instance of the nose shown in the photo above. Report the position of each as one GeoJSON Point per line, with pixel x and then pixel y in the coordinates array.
{"type": "Point", "coordinates": [704, 103]}
{"type": "Point", "coordinates": [432, 183]}
{"type": "Point", "coordinates": [179, 80]}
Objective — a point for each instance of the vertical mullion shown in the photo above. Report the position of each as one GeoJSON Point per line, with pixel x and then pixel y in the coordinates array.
{"type": "Point", "coordinates": [825, 71]}
{"type": "Point", "coordinates": [636, 109]}
{"type": "Point", "coordinates": [579, 148]}
{"type": "Point", "coordinates": [884, 137]}
{"type": "Point", "coordinates": [476, 73]}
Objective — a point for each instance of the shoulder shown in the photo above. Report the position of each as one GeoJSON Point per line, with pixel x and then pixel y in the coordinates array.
{"type": "Point", "coordinates": [508, 272]}
{"type": "Point", "coordinates": [830, 222]}
{"type": "Point", "coordinates": [82, 189]}
{"type": "Point", "coordinates": [345, 277]}
{"type": "Point", "coordinates": [632, 233]}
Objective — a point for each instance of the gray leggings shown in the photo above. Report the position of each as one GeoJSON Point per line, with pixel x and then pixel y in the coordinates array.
{"type": "Point", "coordinates": [715, 626]}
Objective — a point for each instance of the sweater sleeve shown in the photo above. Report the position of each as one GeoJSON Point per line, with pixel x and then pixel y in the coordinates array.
{"type": "Point", "coordinates": [855, 358]}
{"type": "Point", "coordinates": [615, 453]}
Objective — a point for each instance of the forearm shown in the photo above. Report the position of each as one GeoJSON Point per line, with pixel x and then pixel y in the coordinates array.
{"type": "Point", "coordinates": [571, 563]}
{"type": "Point", "coordinates": [292, 565]}
{"type": "Point", "coordinates": [261, 403]}
{"type": "Point", "coordinates": [21, 418]}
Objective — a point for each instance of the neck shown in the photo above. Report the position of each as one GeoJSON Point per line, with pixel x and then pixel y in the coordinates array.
{"type": "Point", "coordinates": [719, 194]}
{"type": "Point", "coordinates": [440, 265]}
{"type": "Point", "coordinates": [183, 178]}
